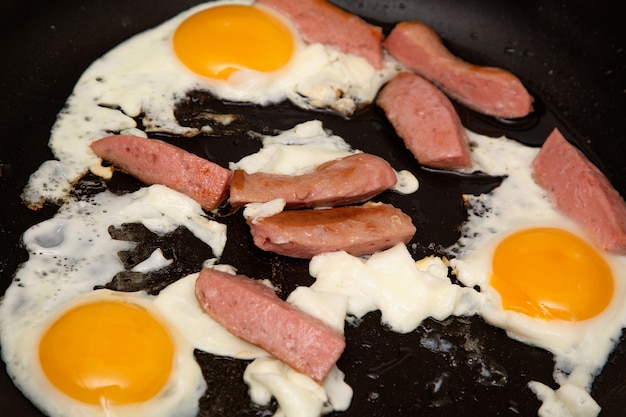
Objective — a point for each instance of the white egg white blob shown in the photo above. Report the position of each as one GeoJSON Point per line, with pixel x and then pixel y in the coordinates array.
{"type": "Point", "coordinates": [253, 212]}
{"type": "Point", "coordinates": [581, 348]}
{"type": "Point", "coordinates": [567, 401]}
{"type": "Point", "coordinates": [406, 292]}
{"type": "Point", "coordinates": [155, 262]}
{"type": "Point", "coordinates": [297, 394]}
{"type": "Point", "coordinates": [329, 308]}
{"type": "Point", "coordinates": [295, 151]}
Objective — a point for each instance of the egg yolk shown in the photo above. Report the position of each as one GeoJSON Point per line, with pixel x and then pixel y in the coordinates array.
{"type": "Point", "coordinates": [549, 273]}
{"type": "Point", "coordinates": [220, 40]}
{"type": "Point", "coordinates": [107, 352]}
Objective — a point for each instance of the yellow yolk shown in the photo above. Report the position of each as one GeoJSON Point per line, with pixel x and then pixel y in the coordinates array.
{"type": "Point", "coordinates": [107, 351]}
{"type": "Point", "coordinates": [220, 40]}
{"type": "Point", "coordinates": [551, 274]}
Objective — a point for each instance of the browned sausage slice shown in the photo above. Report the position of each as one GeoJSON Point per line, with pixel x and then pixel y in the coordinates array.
{"type": "Point", "coordinates": [352, 179]}
{"type": "Point", "coordinates": [322, 22]}
{"type": "Point", "coordinates": [156, 162]}
{"type": "Point", "coordinates": [358, 230]}
{"type": "Point", "coordinates": [489, 90]}
{"type": "Point", "coordinates": [581, 191]}
{"type": "Point", "coordinates": [253, 312]}
{"type": "Point", "coordinates": [426, 120]}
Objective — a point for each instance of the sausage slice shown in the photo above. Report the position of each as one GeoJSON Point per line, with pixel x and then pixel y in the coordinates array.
{"type": "Point", "coordinates": [322, 22]}
{"type": "Point", "coordinates": [581, 191]}
{"type": "Point", "coordinates": [253, 312]}
{"type": "Point", "coordinates": [347, 180]}
{"type": "Point", "coordinates": [358, 230]}
{"type": "Point", "coordinates": [489, 90]}
{"type": "Point", "coordinates": [155, 162]}
{"type": "Point", "coordinates": [426, 120]}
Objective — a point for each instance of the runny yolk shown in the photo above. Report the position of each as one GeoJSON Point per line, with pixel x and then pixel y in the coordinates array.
{"type": "Point", "coordinates": [549, 273]}
{"type": "Point", "coordinates": [107, 352]}
{"type": "Point", "coordinates": [220, 40]}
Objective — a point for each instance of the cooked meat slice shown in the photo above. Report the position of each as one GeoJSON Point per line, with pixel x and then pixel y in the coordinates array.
{"type": "Point", "coordinates": [155, 162]}
{"type": "Point", "coordinates": [352, 179]}
{"type": "Point", "coordinates": [358, 230]}
{"type": "Point", "coordinates": [426, 120]}
{"type": "Point", "coordinates": [253, 312]}
{"type": "Point", "coordinates": [489, 90]}
{"type": "Point", "coordinates": [581, 191]}
{"type": "Point", "coordinates": [322, 22]}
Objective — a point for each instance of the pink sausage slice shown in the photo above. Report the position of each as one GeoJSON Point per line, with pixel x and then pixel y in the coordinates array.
{"type": "Point", "coordinates": [358, 230]}
{"type": "Point", "coordinates": [348, 180]}
{"type": "Point", "coordinates": [426, 120]}
{"type": "Point", "coordinates": [155, 162]}
{"type": "Point", "coordinates": [581, 191]}
{"type": "Point", "coordinates": [253, 312]}
{"type": "Point", "coordinates": [319, 21]}
{"type": "Point", "coordinates": [492, 91]}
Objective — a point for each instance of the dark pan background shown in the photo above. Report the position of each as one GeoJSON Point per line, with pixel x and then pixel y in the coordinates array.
{"type": "Point", "coordinates": [570, 54]}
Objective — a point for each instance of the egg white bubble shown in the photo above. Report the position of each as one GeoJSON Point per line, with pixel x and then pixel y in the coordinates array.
{"type": "Point", "coordinates": [580, 348]}
{"type": "Point", "coordinates": [142, 78]}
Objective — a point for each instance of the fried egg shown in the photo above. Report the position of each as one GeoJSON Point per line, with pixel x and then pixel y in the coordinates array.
{"type": "Point", "coordinates": [76, 351]}
{"type": "Point", "coordinates": [106, 353]}
{"type": "Point", "coordinates": [141, 80]}
{"type": "Point", "coordinates": [537, 273]}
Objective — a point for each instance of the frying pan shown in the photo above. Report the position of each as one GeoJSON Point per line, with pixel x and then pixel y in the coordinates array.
{"type": "Point", "coordinates": [570, 54]}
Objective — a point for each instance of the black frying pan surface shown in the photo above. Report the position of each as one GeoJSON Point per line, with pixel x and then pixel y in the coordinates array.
{"type": "Point", "coordinates": [570, 54]}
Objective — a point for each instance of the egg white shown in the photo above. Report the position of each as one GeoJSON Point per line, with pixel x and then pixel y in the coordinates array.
{"type": "Point", "coordinates": [581, 348]}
